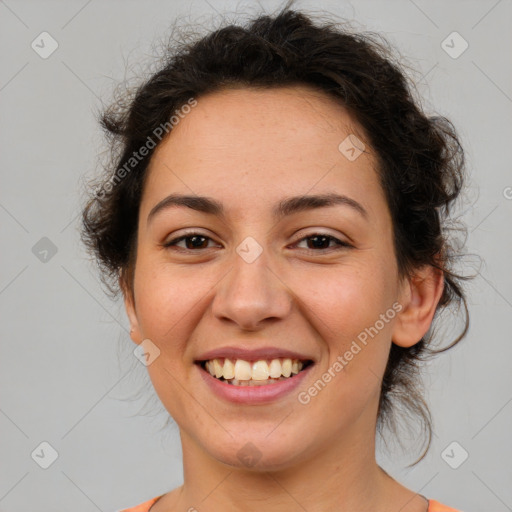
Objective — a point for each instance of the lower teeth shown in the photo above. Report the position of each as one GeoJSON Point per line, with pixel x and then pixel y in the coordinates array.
{"type": "Point", "coordinates": [251, 382]}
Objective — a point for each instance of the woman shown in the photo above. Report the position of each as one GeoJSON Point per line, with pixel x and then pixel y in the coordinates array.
{"type": "Point", "coordinates": [274, 220]}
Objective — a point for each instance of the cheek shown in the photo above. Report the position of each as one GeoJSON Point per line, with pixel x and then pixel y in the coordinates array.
{"type": "Point", "coordinates": [343, 300]}
{"type": "Point", "coordinates": [170, 304]}
{"type": "Point", "coordinates": [350, 307]}
{"type": "Point", "coordinates": [168, 301]}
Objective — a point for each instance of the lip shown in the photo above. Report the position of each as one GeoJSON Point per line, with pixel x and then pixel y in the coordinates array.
{"type": "Point", "coordinates": [252, 354]}
{"type": "Point", "coordinates": [253, 394]}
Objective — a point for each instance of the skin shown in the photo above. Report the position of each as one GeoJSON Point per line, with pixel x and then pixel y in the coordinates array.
{"type": "Point", "coordinates": [249, 149]}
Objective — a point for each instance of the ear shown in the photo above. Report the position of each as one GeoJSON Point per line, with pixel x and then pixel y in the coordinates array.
{"type": "Point", "coordinates": [129, 304]}
{"type": "Point", "coordinates": [419, 297]}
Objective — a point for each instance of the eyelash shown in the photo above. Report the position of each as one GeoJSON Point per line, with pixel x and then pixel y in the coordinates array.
{"type": "Point", "coordinates": [340, 243]}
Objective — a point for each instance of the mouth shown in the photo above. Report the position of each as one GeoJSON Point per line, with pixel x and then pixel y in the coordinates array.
{"type": "Point", "coordinates": [261, 372]}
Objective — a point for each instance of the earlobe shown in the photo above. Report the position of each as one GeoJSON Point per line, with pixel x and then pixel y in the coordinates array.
{"type": "Point", "coordinates": [420, 297]}
{"type": "Point", "coordinates": [129, 305]}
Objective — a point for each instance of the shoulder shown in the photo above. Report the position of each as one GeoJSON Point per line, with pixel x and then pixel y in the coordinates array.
{"type": "Point", "coordinates": [142, 507]}
{"type": "Point", "coordinates": [435, 506]}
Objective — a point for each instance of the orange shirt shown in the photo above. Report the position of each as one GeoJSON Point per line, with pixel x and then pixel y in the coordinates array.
{"type": "Point", "coordinates": [433, 506]}
{"type": "Point", "coordinates": [143, 507]}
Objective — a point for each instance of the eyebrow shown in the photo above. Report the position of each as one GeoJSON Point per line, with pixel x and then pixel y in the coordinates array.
{"type": "Point", "coordinates": [285, 207]}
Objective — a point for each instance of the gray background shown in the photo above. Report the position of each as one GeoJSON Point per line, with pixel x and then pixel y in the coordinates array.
{"type": "Point", "coordinates": [67, 368]}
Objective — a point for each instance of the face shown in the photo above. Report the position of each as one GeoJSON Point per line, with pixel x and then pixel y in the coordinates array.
{"type": "Point", "coordinates": [309, 277]}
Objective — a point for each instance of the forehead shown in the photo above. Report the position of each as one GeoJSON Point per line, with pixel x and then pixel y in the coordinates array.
{"type": "Point", "coordinates": [247, 120]}
{"type": "Point", "coordinates": [268, 143]}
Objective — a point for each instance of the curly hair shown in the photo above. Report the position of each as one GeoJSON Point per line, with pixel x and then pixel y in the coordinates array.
{"type": "Point", "coordinates": [420, 160]}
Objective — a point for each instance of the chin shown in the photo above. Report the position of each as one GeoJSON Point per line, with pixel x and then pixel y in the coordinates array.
{"type": "Point", "coordinates": [257, 452]}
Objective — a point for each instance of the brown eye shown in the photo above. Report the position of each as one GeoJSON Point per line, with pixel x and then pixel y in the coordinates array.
{"type": "Point", "coordinates": [192, 241]}
{"type": "Point", "coordinates": [318, 242]}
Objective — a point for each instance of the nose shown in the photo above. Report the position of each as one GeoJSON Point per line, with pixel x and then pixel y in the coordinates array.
{"type": "Point", "coordinates": [251, 295]}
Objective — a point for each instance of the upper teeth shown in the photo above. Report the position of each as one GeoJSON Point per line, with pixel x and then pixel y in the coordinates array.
{"type": "Point", "coordinates": [259, 370]}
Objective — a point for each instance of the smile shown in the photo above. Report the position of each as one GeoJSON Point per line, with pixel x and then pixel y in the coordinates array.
{"type": "Point", "coordinates": [239, 372]}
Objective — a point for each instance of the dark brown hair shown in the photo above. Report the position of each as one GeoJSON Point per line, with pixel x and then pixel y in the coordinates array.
{"type": "Point", "coordinates": [420, 160]}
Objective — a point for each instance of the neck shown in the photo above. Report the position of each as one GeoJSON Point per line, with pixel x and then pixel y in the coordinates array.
{"type": "Point", "coordinates": [341, 477]}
